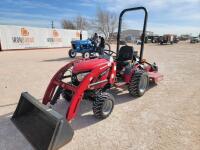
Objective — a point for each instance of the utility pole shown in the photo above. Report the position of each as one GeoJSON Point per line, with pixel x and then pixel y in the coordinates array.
{"type": "Point", "coordinates": [52, 24]}
{"type": "Point", "coordinates": [81, 36]}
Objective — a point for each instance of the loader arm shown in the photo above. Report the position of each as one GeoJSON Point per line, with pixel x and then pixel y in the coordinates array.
{"type": "Point", "coordinates": [54, 82]}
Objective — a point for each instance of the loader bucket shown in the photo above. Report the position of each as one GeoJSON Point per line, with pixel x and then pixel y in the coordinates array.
{"type": "Point", "coordinates": [43, 127]}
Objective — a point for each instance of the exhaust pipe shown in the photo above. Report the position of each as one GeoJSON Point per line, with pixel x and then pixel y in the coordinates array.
{"type": "Point", "coordinates": [43, 127]}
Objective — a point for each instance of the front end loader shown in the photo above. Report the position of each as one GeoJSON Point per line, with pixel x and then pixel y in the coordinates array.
{"type": "Point", "coordinates": [43, 127]}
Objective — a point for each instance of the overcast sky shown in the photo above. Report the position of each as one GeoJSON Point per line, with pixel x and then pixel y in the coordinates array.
{"type": "Point", "coordinates": [165, 16]}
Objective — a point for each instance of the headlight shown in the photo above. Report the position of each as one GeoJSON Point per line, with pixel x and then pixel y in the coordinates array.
{"type": "Point", "coordinates": [80, 76]}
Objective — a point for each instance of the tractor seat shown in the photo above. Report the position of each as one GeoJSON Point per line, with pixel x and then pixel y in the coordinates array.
{"type": "Point", "coordinates": [125, 55]}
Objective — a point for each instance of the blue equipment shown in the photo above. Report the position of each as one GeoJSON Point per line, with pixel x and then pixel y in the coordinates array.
{"type": "Point", "coordinates": [86, 47]}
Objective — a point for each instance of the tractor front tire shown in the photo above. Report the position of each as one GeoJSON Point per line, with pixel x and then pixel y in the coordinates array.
{"type": "Point", "coordinates": [72, 53]}
{"type": "Point", "coordinates": [67, 95]}
{"type": "Point", "coordinates": [139, 83]}
{"type": "Point", "coordinates": [86, 55]}
{"type": "Point", "coordinates": [103, 105]}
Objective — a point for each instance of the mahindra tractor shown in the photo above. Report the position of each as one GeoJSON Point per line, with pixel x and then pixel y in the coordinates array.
{"type": "Point", "coordinates": [80, 79]}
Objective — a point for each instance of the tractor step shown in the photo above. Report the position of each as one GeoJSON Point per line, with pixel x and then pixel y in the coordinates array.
{"type": "Point", "coordinates": [120, 84]}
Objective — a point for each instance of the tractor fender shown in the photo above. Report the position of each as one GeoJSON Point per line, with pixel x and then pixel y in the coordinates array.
{"type": "Point", "coordinates": [127, 77]}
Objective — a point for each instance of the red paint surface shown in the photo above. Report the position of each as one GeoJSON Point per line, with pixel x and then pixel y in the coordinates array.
{"type": "Point", "coordinates": [88, 64]}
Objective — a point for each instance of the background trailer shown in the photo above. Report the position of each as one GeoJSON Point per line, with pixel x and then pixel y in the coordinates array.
{"type": "Point", "coordinates": [18, 37]}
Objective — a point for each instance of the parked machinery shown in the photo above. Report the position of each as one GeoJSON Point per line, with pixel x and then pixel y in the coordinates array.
{"type": "Point", "coordinates": [84, 79]}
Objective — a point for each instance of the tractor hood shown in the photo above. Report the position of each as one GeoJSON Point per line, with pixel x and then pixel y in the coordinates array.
{"type": "Point", "coordinates": [81, 42]}
{"type": "Point", "coordinates": [87, 65]}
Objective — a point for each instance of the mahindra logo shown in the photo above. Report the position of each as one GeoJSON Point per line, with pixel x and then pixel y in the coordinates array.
{"type": "Point", "coordinates": [77, 34]}
{"type": "Point", "coordinates": [55, 33]}
{"type": "Point", "coordinates": [24, 38]}
{"type": "Point", "coordinates": [55, 37]}
{"type": "Point", "coordinates": [24, 32]}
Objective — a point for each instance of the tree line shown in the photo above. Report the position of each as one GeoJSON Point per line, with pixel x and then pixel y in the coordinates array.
{"type": "Point", "coordinates": [104, 22]}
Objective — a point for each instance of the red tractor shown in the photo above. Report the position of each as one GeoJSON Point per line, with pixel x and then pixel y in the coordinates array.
{"type": "Point", "coordinates": [92, 78]}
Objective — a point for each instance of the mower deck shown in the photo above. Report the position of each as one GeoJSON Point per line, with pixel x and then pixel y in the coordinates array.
{"type": "Point", "coordinates": [155, 76]}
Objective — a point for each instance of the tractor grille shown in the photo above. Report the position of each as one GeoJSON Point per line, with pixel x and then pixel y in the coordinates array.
{"type": "Point", "coordinates": [74, 80]}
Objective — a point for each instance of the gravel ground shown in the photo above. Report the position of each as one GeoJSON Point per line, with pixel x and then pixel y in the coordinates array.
{"type": "Point", "coordinates": [167, 117]}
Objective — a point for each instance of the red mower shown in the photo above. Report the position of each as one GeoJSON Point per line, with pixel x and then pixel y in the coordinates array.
{"type": "Point", "coordinates": [87, 79]}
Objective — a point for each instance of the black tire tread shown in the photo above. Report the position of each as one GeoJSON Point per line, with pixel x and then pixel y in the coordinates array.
{"type": "Point", "coordinates": [67, 95]}
{"type": "Point", "coordinates": [83, 55]}
{"type": "Point", "coordinates": [98, 104]}
{"type": "Point", "coordinates": [133, 87]}
{"type": "Point", "coordinates": [69, 53]}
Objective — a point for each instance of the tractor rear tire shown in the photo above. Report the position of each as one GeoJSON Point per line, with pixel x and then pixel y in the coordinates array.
{"type": "Point", "coordinates": [86, 55]}
{"type": "Point", "coordinates": [139, 83]}
{"type": "Point", "coordinates": [72, 53]}
{"type": "Point", "coordinates": [103, 105]}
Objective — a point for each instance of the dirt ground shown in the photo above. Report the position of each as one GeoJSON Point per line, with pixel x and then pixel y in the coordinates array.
{"type": "Point", "coordinates": [167, 117]}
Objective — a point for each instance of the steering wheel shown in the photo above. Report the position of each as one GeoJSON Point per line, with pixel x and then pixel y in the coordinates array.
{"type": "Point", "coordinates": [109, 52]}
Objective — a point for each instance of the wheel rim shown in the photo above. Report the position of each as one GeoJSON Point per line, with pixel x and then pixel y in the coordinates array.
{"type": "Point", "coordinates": [107, 47]}
{"type": "Point", "coordinates": [107, 107]}
{"type": "Point", "coordinates": [143, 84]}
{"type": "Point", "coordinates": [73, 53]}
{"type": "Point", "coordinates": [97, 54]}
{"type": "Point", "coordinates": [86, 55]}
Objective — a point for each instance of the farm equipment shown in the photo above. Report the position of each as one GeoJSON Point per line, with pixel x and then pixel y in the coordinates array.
{"type": "Point", "coordinates": [194, 40]}
{"type": "Point", "coordinates": [167, 39]}
{"type": "Point", "coordinates": [86, 47]}
{"type": "Point", "coordinates": [152, 39]}
{"type": "Point", "coordinates": [85, 79]}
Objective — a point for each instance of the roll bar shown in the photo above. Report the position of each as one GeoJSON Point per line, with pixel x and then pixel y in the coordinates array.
{"type": "Point", "coordinates": [143, 31]}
